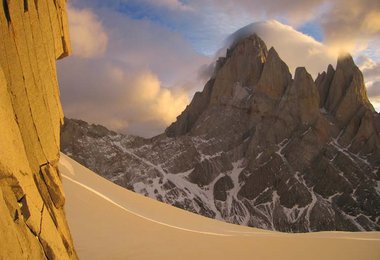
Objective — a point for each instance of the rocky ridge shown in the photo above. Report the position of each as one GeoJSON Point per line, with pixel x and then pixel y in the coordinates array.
{"type": "Point", "coordinates": [256, 147]}
{"type": "Point", "coordinates": [33, 35]}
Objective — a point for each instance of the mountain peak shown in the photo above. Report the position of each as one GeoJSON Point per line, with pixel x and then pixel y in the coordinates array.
{"type": "Point", "coordinates": [234, 78]}
{"type": "Point", "coordinates": [275, 76]}
{"type": "Point", "coordinates": [252, 40]}
{"type": "Point", "coordinates": [344, 93]}
{"type": "Point", "coordinates": [243, 64]}
{"type": "Point", "coordinates": [346, 63]}
{"type": "Point", "coordinates": [272, 51]}
{"type": "Point", "coordinates": [267, 149]}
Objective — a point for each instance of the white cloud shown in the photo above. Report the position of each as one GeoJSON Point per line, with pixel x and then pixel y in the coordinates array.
{"type": "Point", "coordinates": [374, 90]}
{"type": "Point", "coordinates": [88, 36]}
{"type": "Point", "coordinates": [295, 48]}
{"type": "Point", "coordinates": [374, 94]}
{"type": "Point", "coordinates": [365, 62]}
{"type": "Point", "coordinates": [371, 69]}
{"type": "Point", "coordinates": [139, 85]}
{"type": "Point", "coordinates": [371, 72]}
{"type": "Point", "coordinates": [148, 99]}
{"type": "Point", "coordinates": [123, 100]}
{"type": "Point", "coordinates": [294, 10]}
{"type": "Point", "coordinates": [148, 46]}
{"type": "Point", "coordinates": [171, 4]}
{"type": "Point", "coordinates": [347, 25]}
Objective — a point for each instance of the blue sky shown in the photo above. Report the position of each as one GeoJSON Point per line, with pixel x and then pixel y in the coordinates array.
{"type": "Point", "coordinates": [205, 26]}
{"type": "Point", "coordinates": [165, 47]}
{"type": "Point", "coordinates": [194, 18]}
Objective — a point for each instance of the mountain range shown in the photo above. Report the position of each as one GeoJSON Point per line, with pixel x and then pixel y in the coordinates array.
{"type": "Point", "coordinates": [258, 147]}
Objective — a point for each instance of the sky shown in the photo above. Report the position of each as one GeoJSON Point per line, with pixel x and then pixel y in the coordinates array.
{"type": "Point", "coordinates": [137, 63]}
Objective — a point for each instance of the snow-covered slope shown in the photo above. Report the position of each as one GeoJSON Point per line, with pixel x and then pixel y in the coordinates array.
{"type": "Point", "coordinates": [110, 222]}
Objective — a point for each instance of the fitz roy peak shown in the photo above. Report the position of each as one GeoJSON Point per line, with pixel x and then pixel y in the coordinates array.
{"type": "Point", "coordinates": [256, 147]}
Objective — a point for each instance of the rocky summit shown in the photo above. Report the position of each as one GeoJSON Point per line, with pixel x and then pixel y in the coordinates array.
{"type": "Point", "coordinates": [257, 147]}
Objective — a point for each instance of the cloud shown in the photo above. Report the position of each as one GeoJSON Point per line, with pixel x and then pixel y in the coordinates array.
{"type": "Point", "coordinates": [365, 62]}
{"type": "Point", "coordinates": [88, 36]}
{"type": "Point", "coordinates": [149, 46]}
{"type": "Point", "coordinates": [373, 91]}
{"type": "Point", "coordinates": [141, 82]}
{"type": "Point", "coordinates": [295, 48]}
{"type": "Point", "coordinates": [124, 100]}
{"type": "Point", "coordinates": [371, 72]}
{"type": "Point", "coordinates": [347, 25]}
{"type": "Point", "coordinates": [370, 68]}
{"type": "Point", "coordinates": [295, 11]}
{"type": "Point", "coordinates": [171, 4]}
{"type": "Point", "coordinates": [151, 101]}
{"type": "Point", "coordinates": [350, 24]}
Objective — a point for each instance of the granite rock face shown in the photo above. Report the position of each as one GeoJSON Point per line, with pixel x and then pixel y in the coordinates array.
{"type": "Point", "coordinates": [257, 147]}
{"type": "Point", "coordinates": [33, 35]}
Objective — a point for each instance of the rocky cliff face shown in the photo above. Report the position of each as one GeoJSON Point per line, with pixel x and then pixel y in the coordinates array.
{"type": "Point", "coordinates": [256, 147]}
{"type": "Point", "coordinates": [33, 34]}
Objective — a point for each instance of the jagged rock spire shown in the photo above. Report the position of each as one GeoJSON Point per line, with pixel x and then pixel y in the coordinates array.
{"type": "Point", "coordinates": [244, 64]}
{"type": "Point", "coordinates": [347, 92]}
{"type": "Point", "coordinates": [275, 76]}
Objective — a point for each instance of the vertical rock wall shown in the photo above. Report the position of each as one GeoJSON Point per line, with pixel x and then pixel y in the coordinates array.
{"type": "Point", "coordinates": [33, 35]}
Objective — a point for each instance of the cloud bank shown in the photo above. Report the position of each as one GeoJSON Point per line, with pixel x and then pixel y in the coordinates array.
{"type": "Point", "coordinates": [131, 76]}
{"type": "Point", "coordinates": [135, 102]}
{"type": "Point", "coordinates": [348, 25]}
{"type": "Point", "coordinates": [295, 48]}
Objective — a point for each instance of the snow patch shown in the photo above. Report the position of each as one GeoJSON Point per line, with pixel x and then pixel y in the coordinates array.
{"type": "Point", "coordinates": [281, 147]}
{"type": "Point", "coordinates": [377, 188]}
